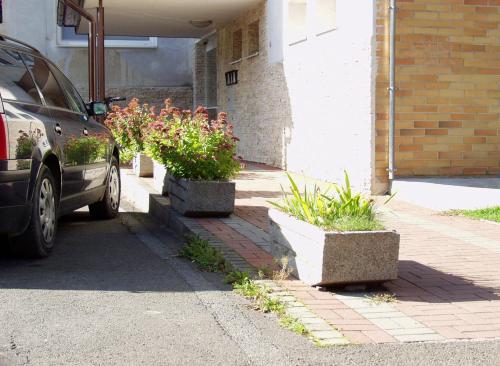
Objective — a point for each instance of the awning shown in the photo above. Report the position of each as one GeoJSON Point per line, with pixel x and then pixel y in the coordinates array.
{"type": "Point", "coordinates": [167, 18]}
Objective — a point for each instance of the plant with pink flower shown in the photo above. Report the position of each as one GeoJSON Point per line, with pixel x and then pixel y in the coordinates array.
{"type": "Point", "coordinates": [128, 126]}
{"type": "Point", "coordinates": [192, 147]}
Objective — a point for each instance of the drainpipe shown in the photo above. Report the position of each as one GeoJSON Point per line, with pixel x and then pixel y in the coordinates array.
{"type": "Point", "coordinates": [392, 85]}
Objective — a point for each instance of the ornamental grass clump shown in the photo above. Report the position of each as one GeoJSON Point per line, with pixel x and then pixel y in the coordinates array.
{"type": "Point", "coordinates": [192, 147]}
{"type": "Point", "coordinates": [128, 126]}
{"type": "Point", "coordinates": [343, 210]}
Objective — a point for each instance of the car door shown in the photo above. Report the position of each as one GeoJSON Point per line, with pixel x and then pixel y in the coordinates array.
{"type": "Point", "coordinates": [68, 126]}
{"type": "Point", "coordinates": [98, 143]}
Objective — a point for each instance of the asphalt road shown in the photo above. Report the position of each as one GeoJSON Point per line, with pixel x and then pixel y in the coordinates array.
{"type": "Point", "coordinates": [114, 293]}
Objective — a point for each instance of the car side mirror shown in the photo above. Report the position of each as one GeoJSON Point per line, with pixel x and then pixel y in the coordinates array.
{"type": "Point", "coordinates": [97, 109]}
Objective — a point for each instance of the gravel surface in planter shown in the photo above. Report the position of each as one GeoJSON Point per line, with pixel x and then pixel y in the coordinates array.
{"type": "Point", "coordinates": [318, 257]}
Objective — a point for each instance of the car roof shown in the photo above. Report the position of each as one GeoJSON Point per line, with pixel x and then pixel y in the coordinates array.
{"type": "Point", "coordinates": [14, 44]}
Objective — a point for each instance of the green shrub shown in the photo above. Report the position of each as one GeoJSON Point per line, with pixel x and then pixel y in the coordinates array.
{"type": "Point", "coordinates": [192, 147]}
{"type": "Point", "coordinates": [129, 125]}
{"type": "Point", "coordinates": [343, 211]}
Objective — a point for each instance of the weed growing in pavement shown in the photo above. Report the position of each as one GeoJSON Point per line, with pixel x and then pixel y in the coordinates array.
{"type": "Point", "coordinates": [293, 324]}
{"type": "Point", "coordinates": [284, 272]}
{"type": "Point", "coordinates": [382, 298]}
{"type": "Point", "coordinates": [262, 301]}
{"type": "Point", "coordinates": [235, 277]}
{"type": "Point", "coordinates": [205, 256]}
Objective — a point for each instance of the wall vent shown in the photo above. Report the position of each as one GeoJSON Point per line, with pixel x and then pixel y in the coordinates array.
{"type": "Point", "coordinates": [232, 77]}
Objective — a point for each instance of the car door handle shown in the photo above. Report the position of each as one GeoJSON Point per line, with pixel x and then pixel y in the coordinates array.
{"type": "Point", "coordinates": [58, 129]}
{"type": "Point", "coordinates": [85, 132]}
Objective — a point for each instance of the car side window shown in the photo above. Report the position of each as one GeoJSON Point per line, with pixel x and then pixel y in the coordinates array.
{"type": "Point", "coordinates": [16, 83]}
{"type": "Point", "coordinates": [46, 81]}
{"type": "Point", "coordinates": [74, 98]}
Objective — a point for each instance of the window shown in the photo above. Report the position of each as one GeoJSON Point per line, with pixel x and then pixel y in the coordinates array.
{"type": "Point", "coordinates": [16, 83]}
{"type": "Point", "coordinates": [297, 21]}
{"type": "Point", "coordinates": [67, 37]}
{"type": "Point", "coordinates": [253, 38]}
{"type": "Point", "coordinates": [237, 45]}
{"type": "Point", "coordinates": [1, 11]}
{"type": "Point", "coordinates": [326, 16]}
{"type": "Point", "coordinates": [48, 84]}
{"type": "Point", "coordinates": [74, 99]}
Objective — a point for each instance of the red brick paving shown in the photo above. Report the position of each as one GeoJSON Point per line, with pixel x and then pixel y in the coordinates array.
{"type": "Point", "coordinates": [447, 281]}
{"type": "Point", "coordinates": [253, 254]}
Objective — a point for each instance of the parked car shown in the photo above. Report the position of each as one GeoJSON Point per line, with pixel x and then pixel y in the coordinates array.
{"type": "Point", "coordinates": [54, 156]}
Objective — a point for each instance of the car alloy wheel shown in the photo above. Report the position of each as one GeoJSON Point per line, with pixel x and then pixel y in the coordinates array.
{"type": "Point", "coordinates": [47, 210]}
{"type": "Point", "coordinates": [114, 188]}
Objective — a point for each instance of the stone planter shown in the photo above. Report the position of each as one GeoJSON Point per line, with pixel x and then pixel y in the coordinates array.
{"type": "Point", "coordinates": [160, 178]}
{"type": "Point", "coordinates": [202, 198]}
{"type": "Point", "coordinates": [142, 165]}
{"type": "Point", "coordinates": [318, 257]}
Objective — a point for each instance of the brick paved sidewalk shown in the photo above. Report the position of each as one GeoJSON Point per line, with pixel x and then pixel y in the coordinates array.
{"type": "Point", "coordinates": [449, 282]}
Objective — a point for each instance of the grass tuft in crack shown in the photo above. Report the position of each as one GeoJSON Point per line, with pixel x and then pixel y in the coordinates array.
{"type": "Point", "coordinates": [294, 325]}
{"type": "Point", "coordinates": [210, 259]}
{"type": "Point", "coordinates": [205, 256]}
{"type": "Point", "coordinates": [263, 301]}
{"type": "Point", "coordinates": [382, 298]}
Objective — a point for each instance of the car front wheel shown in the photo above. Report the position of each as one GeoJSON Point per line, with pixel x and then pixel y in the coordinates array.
{"type": "Point", "coordinates": [108, 206]}
{"type": "Point", "coordinates": [38, 239]}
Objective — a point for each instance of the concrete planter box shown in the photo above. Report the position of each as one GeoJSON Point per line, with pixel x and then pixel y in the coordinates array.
{"type": "Point", "coordinates": [142, 165]}
{"type": "Point", "coordinates": [160, 178]}
{"type": "Point", "coordinates": [318, 257]}
{"type": "Point", "coordinates": [202, 198]}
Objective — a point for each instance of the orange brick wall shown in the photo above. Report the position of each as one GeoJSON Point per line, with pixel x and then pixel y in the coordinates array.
{"type": "Point", "coordinates": [448, 89]}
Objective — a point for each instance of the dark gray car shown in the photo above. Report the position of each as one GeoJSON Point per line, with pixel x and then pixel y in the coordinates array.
{"type": "Point", "coordinates": [54, 156]}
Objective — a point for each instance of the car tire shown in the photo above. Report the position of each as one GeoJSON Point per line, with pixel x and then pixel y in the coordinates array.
{"type": "Point", "coordinates": [107, 208]}
{"type": "Point", "coordinates": [37, 241]}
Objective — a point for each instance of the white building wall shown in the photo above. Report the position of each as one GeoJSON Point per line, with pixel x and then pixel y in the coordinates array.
{"type": "Point", "coordinates": [306, 107]}
{"type": "Point", "coordinates": [330, 85]}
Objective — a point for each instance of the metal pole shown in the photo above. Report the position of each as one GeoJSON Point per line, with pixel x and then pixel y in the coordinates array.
{"type": "Point", "coordinates": [92, 45]}
{"type": "Point", "coordinates": [92, 75]}
{"type": "Point", "coordinates": [392, 86]}
{"type": "Point", "coordinates": [101, 91]}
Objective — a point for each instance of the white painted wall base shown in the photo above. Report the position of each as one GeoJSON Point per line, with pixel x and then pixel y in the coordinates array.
{"type": "Point", "coordinates": [448, 193]}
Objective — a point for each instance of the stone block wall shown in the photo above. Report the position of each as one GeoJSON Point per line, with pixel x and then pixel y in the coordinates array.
{"type": "Point", "coordinates": [447, 79]}
{"type": "Point", "coordinates": [258, 106]}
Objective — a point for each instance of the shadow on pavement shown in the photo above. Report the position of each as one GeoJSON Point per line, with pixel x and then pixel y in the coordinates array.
{"type": "Point", "coordinates": [99, 255]}
{"type": "Point", "coordinates": [418, 282]}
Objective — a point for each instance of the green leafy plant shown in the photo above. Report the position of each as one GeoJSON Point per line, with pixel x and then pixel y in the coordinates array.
{"type": "Point", "coordinates": [344, 210]}
{"type": "Point", "coordinates": [236, 277]}
{"type": "Point", "coordinates": [128, 126]}
{"type": "Point", "coordinates": [293, 324]}
{"type": "Point", "coordinates": [192, 147]}
{"type": "Point", "coordinates": [205, 256]}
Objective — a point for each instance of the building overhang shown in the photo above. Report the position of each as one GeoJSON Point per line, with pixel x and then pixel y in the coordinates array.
{"type": "Point", "coordinates": [166, 18]}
